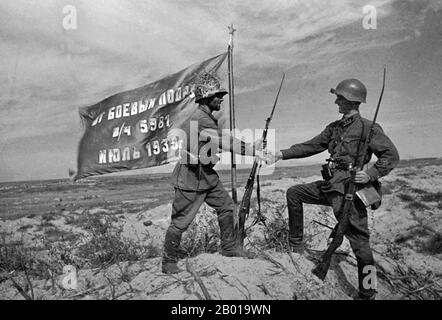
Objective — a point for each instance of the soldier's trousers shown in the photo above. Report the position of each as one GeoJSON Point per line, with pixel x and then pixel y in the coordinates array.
{"type": "Point", "coordinates": [357, 232]}
{"type": "Point", "coordinates": [185, 207]}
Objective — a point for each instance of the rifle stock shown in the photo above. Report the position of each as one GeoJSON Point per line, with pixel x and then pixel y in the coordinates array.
{"type": "Point", "coordinates": [244, 209]}
{"type": "Point", "coordinates": [323, 265]}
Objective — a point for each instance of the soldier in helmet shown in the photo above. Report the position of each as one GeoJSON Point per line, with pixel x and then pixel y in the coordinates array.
{"type": "Point", "coordinates": [342, 139]}
{"type": "Point", "coordinates": [194, 179]}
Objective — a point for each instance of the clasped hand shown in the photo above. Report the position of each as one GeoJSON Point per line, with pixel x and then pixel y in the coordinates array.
{"type": "Point", "coordinates": [268, 157]}
{"type": "Point", "coordinates": [362, 177]}
{"type": "Point", "coordinates": [265, 155]}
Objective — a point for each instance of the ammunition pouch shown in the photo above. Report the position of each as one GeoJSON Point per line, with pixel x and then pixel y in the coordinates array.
{"type": "Point", "coordinates": [326, 172]}
{"type": "Point", "coordinates": [371, 195]}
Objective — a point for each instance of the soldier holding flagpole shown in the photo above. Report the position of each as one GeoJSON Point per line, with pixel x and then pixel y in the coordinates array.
{"type": "Point", "coordinates": [195, 181]}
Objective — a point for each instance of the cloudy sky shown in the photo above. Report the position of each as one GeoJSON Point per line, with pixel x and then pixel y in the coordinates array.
{"type": "Point", "coordinates": [48, 72]}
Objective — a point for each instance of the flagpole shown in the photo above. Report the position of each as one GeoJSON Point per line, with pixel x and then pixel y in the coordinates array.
{"type": "Point", "coordinates": [232, 112]}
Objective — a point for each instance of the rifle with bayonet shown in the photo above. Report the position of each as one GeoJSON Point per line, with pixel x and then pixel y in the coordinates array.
{"type": "Point", "coordinates": [245, 202]}
{"type": "Point", "coordinates": [322, 267]}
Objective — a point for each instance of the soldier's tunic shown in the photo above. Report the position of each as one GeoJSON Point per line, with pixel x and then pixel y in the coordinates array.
{"type": "Point", "coordinates": [341, 138]}
{"type": "Point", "coordinates": [195, 181]}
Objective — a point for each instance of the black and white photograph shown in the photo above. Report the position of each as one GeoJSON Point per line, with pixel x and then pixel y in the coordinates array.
{"type": "Point", "coordinates": [245, 152]}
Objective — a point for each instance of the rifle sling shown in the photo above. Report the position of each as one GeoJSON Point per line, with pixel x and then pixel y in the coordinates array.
{"type": "Point", "coordinates": [348, 200]}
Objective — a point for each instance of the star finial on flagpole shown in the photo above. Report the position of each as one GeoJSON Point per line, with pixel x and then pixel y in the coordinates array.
{"type": "Point", "coordinates": [231, 29]}
{"type": "Point", "coordinates": [231, 32]}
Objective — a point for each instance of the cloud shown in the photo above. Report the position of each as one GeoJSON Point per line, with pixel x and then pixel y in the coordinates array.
{"type": "Point", "coordinates": [47, 72]}
{"type": "Point", "coordinates": [120, 45]}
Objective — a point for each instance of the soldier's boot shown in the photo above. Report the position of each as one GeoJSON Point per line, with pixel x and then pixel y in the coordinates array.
{"type": "Point", "coordinates": [171, 251]}
{"type": "Point", "coordinates": [366, 275]}
{"type": "Point", "coordinates": [366, 296]}
{"type": "Point", "coordinates": [230, 244]}
{"type": "Point", "coordinates": [296, 229]}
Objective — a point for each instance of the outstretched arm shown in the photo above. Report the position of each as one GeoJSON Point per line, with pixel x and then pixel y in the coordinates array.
{"type": "Point", "coordinates": [220, 139]}
{"type": "Point", "coordinates": [305, 149]}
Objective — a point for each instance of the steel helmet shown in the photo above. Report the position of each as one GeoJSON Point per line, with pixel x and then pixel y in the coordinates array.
{"type": "Point", "coordinates": [352, 90]}
{"type": "Point", "coordinates": [206, 86]}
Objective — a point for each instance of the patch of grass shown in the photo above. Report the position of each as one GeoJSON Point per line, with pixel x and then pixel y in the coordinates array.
{"type": "Point", "coordinates": [103, 245]}
{"type": "Point", "coordinates": [15, 256]}
{"type": "Point", "coordinates": [25, 227]}
{"type": "Point", "coordinates": [418, 191]}
{"type": "Point", "coordinates": [434, 244]}
{"type": "Point", "coordinates": [422, 238]}
{"type": "Point", "coordinates": [61, 254]}
{"type": "Point", "coordinates": [276, 235]}
{"type": "Point", "coordinates": [106, 245]}
{"type": "Point", "coordinates": [55, 234]}
{"type": "Point", "coordinates": [49, 217]}
{"type": "Point", "coordinates": [121, 211]}
{"type": "Point", "coordinates": [80, 220]}
{"type": "Point", "coordinates": [403, 238]}
{"type": "Point", "coordinates": [203, 235]}
{"type": "Point", "coordinates": [276, 232]}
{"type": "Point", "coordinates": [412, 233]}
{"type": "Point", "coordinates": [401, 184]}
{"type": "Point", "coordinates": [405, 197]}
{"type": "Point", "coordinates": [432, 197]}
{"type": "Point", "coordinates": [415, 284]}
{"type": "Point", "coordinates": [415, 204]}
{"type": "Point", "coordinates": [44, 224]}
{"type": "Point", "coordinates": [407, 174]}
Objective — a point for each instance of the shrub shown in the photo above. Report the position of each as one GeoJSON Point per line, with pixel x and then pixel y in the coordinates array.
{"type": "Point", "coordinates": [434, 244]}
{"type": "Point", "coordinates": [203, 235]}
{"type": "Point", "coordinates": [276, 235]}
{"type": "Point", "coordinates": [276, 230]}
{"type": "Point", "coordinates": [432, 197]}
{"type": "Point", "coordinates": [407, 174]}
{"type": "Point", "coordinates": [417, 205]}
{"type": "Point", "coordinates": [106, 244]}
{"type": "Point", "coordinates": [418, 191]}
{"type": "Point", "coordinates": [405, 197]}
{"type": "Point", "coordinates": [16, 256]}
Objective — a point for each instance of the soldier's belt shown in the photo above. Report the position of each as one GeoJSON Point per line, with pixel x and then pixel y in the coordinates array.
{"type": "Point", "coordinates": [338, 166]}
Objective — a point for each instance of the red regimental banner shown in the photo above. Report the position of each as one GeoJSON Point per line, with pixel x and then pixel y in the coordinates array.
{"type": "Point", "coordinates": [134, 129]}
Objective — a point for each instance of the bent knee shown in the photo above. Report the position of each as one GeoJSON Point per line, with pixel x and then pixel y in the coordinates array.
{"type": "Point", "coordinates": [179, 226]}
{"type": "Point", "coordinates": [293, 194]}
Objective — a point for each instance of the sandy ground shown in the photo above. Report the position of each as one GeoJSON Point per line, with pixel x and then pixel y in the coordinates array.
{"type": "Point", "coordinates": [405, 239]}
